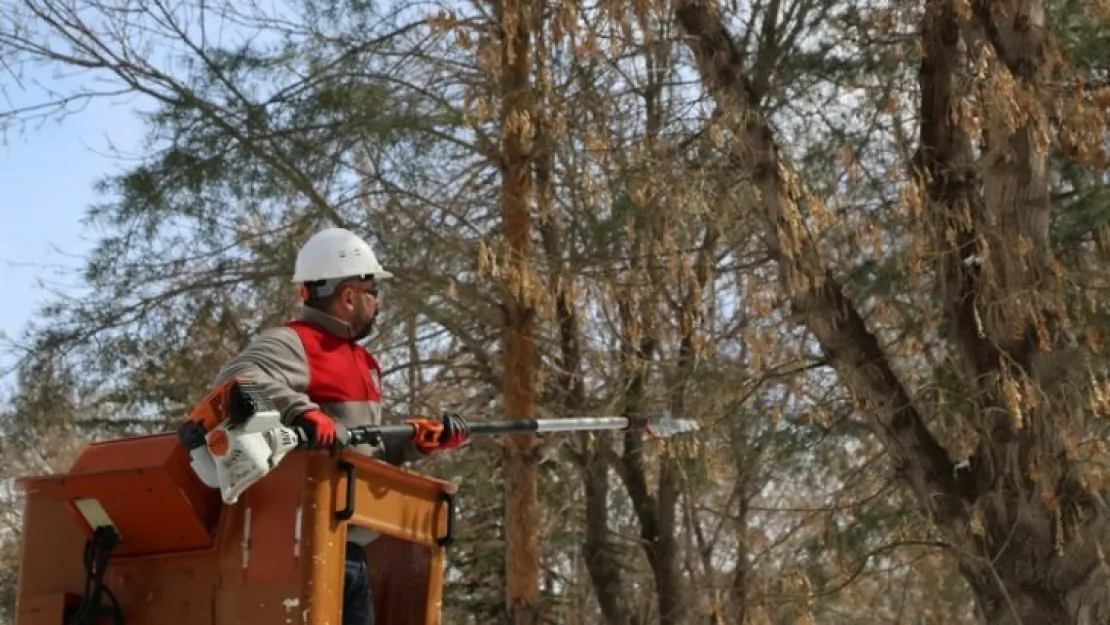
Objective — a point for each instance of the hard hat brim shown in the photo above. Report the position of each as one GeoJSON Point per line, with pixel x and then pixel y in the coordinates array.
{"type": "Point", "coordinates": [377, 275]}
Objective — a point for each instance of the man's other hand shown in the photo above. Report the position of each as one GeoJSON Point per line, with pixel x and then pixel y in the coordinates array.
{"type": "Point", "coordinates": [455, 431]}
{"type": "Point", "coordinates": [437, 434]}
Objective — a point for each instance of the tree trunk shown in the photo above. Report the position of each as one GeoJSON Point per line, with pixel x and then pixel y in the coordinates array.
{"type": "Point", "coordinates": [816, 295]}
{"type": "Point", "coordinates": [1002, 295]}
{"type": "Point", "coordinates": [522, 514]}
{"type": "Point", "coordinates": [638, 349]}
{"type": "Point", "coordinates": [1012, 605]}
{"type": "Point", "coordinates": [655, 512]}
{"type": "Point", "coordinates": [1026, 541]}
{"type": "Point", "coordinates": [602, 563]}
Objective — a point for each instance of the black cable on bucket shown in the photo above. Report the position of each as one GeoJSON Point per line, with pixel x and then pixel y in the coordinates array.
{"type": "Point", "coordinates": [98, 550]}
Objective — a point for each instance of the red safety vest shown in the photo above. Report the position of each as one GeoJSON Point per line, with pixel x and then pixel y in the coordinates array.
{"type": "Point", "coordinates": [340, 372]}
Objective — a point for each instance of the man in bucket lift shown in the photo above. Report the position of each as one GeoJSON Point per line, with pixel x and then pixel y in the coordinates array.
{"type": "Point", "coordinates": [316, 373]}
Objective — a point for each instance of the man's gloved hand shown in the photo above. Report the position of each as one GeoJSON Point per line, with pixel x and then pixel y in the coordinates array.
{"type": "Point", "coordinates": [437, 434]}
{"type": "Point", "coordinates": [455, 431]}
{"type": "Point", "coordinates": [318, 426]}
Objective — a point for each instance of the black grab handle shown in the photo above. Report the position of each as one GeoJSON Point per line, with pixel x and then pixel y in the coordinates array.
{"type": "Point", "coordinates": [348, 510]}
{"type": "Point", "coordinates": [449, 537]}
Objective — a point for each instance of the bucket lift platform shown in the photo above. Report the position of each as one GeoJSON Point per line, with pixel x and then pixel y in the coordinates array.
{"type": "Point", "coordinates": [185, 558]}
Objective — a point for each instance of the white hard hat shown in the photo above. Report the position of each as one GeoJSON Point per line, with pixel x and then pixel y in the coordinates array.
{"type": "Point", "coordinates": [336, 253]}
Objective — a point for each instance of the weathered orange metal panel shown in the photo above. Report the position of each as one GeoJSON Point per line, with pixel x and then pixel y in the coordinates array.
{"type": "Point", "coordinates": [276, 556]}
{"type": "Point", "coordinates": [146, 486]}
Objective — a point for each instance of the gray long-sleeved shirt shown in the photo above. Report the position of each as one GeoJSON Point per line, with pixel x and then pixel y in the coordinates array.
{"type": "Point", "coordinates": [277, 362]}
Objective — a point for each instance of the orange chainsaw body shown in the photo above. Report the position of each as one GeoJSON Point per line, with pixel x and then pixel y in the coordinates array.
{"type": "Point", "coordinates": [275, 556]}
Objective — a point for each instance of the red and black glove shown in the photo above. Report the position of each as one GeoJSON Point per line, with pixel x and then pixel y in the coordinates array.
{"type": "Point", "coordinates": [436, 434]}
{"type": "Point", "coordinates": [318, 427]}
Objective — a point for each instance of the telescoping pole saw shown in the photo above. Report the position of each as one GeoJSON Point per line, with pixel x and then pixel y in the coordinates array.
{"type": "Point", "coordinates": [660, 425]}
{"type": "Point", "coordinates": [233, 453]}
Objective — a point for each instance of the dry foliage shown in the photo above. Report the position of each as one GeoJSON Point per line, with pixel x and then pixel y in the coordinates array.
{"type": "Point", "coordinates": [861, 242]}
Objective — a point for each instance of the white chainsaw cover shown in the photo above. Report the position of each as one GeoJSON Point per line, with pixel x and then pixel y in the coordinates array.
{"type": "Point", "coordinates": [253, 450]}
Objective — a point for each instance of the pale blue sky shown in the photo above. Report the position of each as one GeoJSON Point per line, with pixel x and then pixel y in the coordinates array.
{"type": "Point", "coordinates": [47, 173]}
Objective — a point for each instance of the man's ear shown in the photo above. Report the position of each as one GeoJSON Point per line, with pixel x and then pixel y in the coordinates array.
{"type": "Point", "coordinates": [348, 297]}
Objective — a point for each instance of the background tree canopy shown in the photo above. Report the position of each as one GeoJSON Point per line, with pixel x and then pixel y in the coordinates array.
{"type": "Point", "coordinates": [861, 242]}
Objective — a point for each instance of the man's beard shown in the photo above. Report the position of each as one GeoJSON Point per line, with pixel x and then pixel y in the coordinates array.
{"type": "Point", "coordinates": [365, 332]}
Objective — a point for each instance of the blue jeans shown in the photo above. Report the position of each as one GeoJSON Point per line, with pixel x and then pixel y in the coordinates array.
{"type": "Point", "coordinates": [358, 606]}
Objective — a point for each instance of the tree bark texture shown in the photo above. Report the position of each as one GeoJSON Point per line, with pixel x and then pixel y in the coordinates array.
{"type": "Point", "coordinates": [1025, 540]}
{"type": "Point", "coordinates": [522, 514]}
